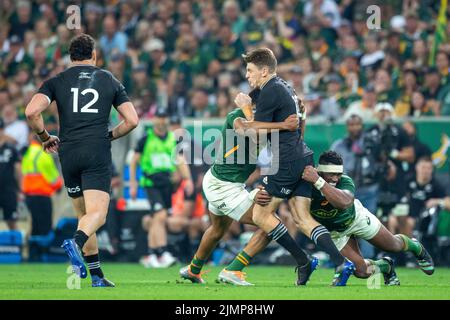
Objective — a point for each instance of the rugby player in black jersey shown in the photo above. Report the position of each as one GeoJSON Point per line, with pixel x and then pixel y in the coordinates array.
{"type": "Point", "coordinates": [84, 95]}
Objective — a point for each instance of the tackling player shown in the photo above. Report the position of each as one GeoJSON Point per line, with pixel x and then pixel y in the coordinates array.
{"type": "Point", "coordinates": [334, 206]}
{"type": "Point", "coordinates": [84, 95]}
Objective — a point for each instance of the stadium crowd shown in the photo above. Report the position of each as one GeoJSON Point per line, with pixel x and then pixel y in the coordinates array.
{"type": "Point", "coordinates": [184, 57]}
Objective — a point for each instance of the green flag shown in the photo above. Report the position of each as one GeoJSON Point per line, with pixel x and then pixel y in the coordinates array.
{"type": "Point", "coordinates": [440, 32]}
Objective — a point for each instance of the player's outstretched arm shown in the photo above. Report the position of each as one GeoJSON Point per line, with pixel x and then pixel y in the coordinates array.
{"type": "Point", "coordinates": [129, 122]}
{"type": "Point", "coordinates": [290, 123]}
{"type": "Point", "coordinates": [340, 199]}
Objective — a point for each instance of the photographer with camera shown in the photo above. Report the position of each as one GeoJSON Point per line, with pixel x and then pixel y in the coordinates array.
{"type": "Point", "coordinates": [394, 153]}
{"type": "Point", "coordinates": [357, 151]}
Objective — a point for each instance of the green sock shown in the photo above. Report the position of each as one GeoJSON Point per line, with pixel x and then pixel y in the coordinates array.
{"type": "Point", "coordinates": [382, 264]}
{"type": "Point", "coordinates": [196, 265]}
{"type": "Point", "coordinates": [240, 262]}
{"type": "Point", "coordinates": [410, 245]}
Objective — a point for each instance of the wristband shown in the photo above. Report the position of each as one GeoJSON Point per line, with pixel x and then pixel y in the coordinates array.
{"type": "Point", "coordinates": [110, 135]}
{"type": "Point", "coordinates": [319, 183]}
{"type": "Point", "coordinates": [41, 133]}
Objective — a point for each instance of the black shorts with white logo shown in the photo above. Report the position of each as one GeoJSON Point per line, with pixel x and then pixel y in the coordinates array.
{"type": "Point", "coordinates": [288, 182]}
{"type": "Point", "coordinates": [160, 198]}
{"type": "Point", "coordinates": [86, 167]}
{"type": "Point", "coordinates": [8, 203]}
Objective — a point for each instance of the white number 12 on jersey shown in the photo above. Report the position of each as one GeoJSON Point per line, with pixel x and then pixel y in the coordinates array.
{"type": "Point", "coordinates": [86, 108]}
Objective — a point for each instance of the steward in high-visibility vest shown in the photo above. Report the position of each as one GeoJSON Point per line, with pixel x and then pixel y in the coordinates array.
{"type": "Point", "coordinates": [40, 180]}
{"type": "Point", "coordinates": [39, 172]}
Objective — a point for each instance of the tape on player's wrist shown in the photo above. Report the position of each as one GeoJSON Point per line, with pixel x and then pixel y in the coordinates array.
{"type": "Point", "coordinates": [319, 183]}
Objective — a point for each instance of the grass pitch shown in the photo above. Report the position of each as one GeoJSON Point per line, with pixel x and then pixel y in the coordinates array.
{"type": "Point", "coordinates": [45, 281]}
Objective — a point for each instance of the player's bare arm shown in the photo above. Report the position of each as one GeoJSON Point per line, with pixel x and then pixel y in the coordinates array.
{"type": "Point", "coordinates": [340, 199]}
{"type": "Point", "coordinates": [185, 174]}
{"type": "Point", "coordinates": [33, 112]}
{"type": "Point", "coordinates": [290, 124]}
{"type": "Point", "coordinates": [129, 122]}
{"type": "Point", "coordinates": [244, 102]}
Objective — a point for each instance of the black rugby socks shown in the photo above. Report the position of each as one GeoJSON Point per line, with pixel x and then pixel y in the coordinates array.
{"type": "Point", "coordinates": [322, 238]}
{"type": "Point", "coordinates": [280, 235]}
{"type": "Point", "coordinates": [80, 239]}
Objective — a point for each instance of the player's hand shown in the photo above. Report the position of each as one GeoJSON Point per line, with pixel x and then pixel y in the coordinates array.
{"type": "Point", "coordinates": [291, 123]}
{"type": "Point", "coordinates": [262, 197]}
{"type": "Point", "coordinates": [310, 174]}
{"type": "Point", "coordinates": [51, 145]}
{"type": "Point", "coordinates": [189, 187]}
{"type": "Point", "coordinates": [433, 203]}
{"type": "Point", "coordinates": [133, 189]}
{"type": "Point", "coordinates": [242, 100]}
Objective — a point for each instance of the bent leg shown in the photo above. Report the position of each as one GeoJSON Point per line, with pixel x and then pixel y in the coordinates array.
{"type": "Point", "coordinates": [386, 241]}
{"type": "Point", "coordinates": [300, 208]}
{"type": "Point", "coordinates": [352, 252]}
{"type": "Point", "coordinates": [212, 236]}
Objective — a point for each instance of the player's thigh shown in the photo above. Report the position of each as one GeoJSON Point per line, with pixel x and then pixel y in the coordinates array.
{"type": "Point", "coordinates": [301, 214]}
{"type": "Point", "coordinates": [261, 213]}
{"type": "Point", "coordinates": [385, 240]}
{"type": "Point", "coordinates": [365, 225]}
{"type": "Point", "coordinates": [226, 198]}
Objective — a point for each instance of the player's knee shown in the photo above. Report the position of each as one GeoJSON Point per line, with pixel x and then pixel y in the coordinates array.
{"type": "Point", "coordinates": [258, 217]}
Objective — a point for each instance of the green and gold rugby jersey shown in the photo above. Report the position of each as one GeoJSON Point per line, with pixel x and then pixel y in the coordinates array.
{"type": "Point", "coordinates": [238, 160]}
{"type": "Point", "coordinates": [330, 217]}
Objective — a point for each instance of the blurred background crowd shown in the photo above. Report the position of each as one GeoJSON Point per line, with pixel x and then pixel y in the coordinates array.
{"type": "Point", "coordinates": [184, 57]}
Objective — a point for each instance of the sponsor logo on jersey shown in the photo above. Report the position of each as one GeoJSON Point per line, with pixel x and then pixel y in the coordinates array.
{"type": "Point", "coordinates": [74, 190]}
{"type": "Point", "coordinates": [84, 75]}
{"type": "Point", "coordinates": [325, 214]}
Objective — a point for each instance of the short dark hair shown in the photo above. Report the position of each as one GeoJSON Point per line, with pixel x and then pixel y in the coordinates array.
{"type": "Point", "coordinates": [354, 116]}
{"type": "Point", "coordinates": [262, 57]}
{"type": "Point", "coordinates": [330, 157]}
{"type": "Point", "coordinates": [81, 47]}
